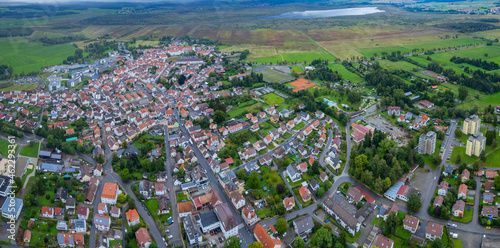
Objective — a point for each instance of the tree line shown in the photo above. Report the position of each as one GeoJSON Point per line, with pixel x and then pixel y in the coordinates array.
{"type": "Point", "coordinates": [15, 31]}
{"type": "Point", "coordinates": [489, 66]}
{"type": "Point", "coordinates": [61, 40]}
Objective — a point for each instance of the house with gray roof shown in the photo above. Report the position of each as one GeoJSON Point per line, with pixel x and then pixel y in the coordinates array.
{"type": "Point", "coordinates": [292, 172]}
{"type": "Point", "coordinates": [303, 225]}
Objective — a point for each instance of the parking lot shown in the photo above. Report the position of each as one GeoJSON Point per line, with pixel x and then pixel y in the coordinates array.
{"type": "Point", "coordinates": [382, 124]}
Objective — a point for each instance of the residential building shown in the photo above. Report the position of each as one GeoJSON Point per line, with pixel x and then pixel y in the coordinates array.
{"type": "Point", "coordinates": [490, 212]}
{"type": "Point", "coordinates": [132, 217]}
{"type": "Point", "coordinates": [344, 218]}
{"type": "Point", "coordinates": [229, 225]}
{"type": "Point", "coordinates": [443, 188]}
{"type": "Point", "coordinates": [102, 222]}
{"type": "Point", "coordinates": [354, 195]}
{"type": "Point", "coordinates": [110, 193]}
{"type": "Point", "coordinates": [142, 237]}
{"type": "Point", "coordinates": [305, 194]}
{"type": "Point", "coordinates": [427, 143]}
{"type": "Point", "coordinates": [303, 225]}
{"type": "Point", "coordinates": [410, 223]}
{"type": "Point", "coordinates": [193, 233]}
{"type": "Point", "coordinates": [249, 215]}
{"type": "Point", "coordinates": [289, 203]}
{"type": "Point", "coordinates": [462, 191]}
{"type": "Point", "coordinates": [465, 175]}
{"type": "Point", "coordinates": [475, 144]}
{"type": "Point", "coordinates": [265, 239]}
{"type": "Point", "coordinates": [383, 242]}
{"type": "Point", "coordinates": [471, 125]}
{"type": "Point", "coordinates": [458, 209]}
{"type": "Point", "coordinates": [433, 230]}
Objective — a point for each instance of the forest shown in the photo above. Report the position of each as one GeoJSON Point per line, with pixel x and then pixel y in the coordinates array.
{"type": "Point", "coordinates": [322, 72]}
{"type": "Point", "coordinates": [61, 40]}
{"type": "Point", "coordinates": [479, 80]}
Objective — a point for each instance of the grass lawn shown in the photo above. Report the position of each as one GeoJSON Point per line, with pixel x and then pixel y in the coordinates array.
{"type": "Point", "coordinates": [351, 239]}
{"type": "Point", "coordinates": [493, 158]}
{"type": "Point", "coordinates": [244, 108]}
{"type": "Point", "coordinates": [43, 201]}
{"type": "Point", "coordinates": [113, 243]}
{"type": "Point", "coordinates": [264, 212]}
{"type": "Point", "coordinates": [287, 135]}
{"type": "Point", "coordinates": [4, 147]}
{"type": "Point", "coordinates": [299, 126]}
{"type": "Point", "coordinates": [152, 205]}
{"type": "Point", "coordinates": [27, 56]}
{"type": "Point", "coordinates": [467, 215]}
{"type": "Point", "coordinates": [30, 150]}
{"type": "Point", "coordinates": [457, 243]}
{"type": "Point", "coordinates": [298, 69]}
{"type": "Point", "coordinates": [273, 98]}
{"type": "Point", "coordinates": [28, 171]}
{"type": "Point", "coordinates": [464, 158]}
{"type": "Point", "coordinates": [181, 197]}
{"type": "Point", "coordinates": [481, 103]}
{"type": "Point", "coordinates": [272, 178]}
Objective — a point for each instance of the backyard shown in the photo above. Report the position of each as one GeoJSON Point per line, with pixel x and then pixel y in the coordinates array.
{"type": "Point", "coordinates": [152, 205]}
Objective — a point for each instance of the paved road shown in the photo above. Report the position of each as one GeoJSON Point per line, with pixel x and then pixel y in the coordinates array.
{"type": "Point", "coordinates": [245, 236]}
{"type": "Point", "coordinates": [175, 229]}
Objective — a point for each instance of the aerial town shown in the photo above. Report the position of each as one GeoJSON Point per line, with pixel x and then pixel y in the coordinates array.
{"type": "Point", "coordinates": [184, 145]}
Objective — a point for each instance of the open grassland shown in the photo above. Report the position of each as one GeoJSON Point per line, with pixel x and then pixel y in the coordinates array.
{"type": "Point", "coordinates": [346, 74]}
{"type": "Point", "coordinates": [493, 100]}
{"type": "Point", "coordinates": [473, 94]}
{"type": "Point", "coordinates": [31, 56]}
{"type": "Point", "coordinates": [294, 57]}
{"type": "Point", "coordinates": [399, 65]}
{"type": "Point", "coordinates": [273, 76]}
{"type": "Point", "coordinates": [298, 69]}
{"type": "Point", "coordinates": [273, 99]}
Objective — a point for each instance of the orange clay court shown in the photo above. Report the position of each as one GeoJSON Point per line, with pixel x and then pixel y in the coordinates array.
{"type": "Point", "coordinates": [301, 84]}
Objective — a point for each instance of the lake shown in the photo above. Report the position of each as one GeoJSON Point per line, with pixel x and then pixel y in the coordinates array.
{"type": "Point", "coordinates": [325, 13]}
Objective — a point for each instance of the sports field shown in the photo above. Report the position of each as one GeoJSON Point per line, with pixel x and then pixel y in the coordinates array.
{"type": "Point", "coordinates": [273, 76]}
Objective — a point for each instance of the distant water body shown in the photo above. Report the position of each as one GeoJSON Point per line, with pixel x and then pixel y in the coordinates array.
{"type": "Point", "coordinates": [325, 13]}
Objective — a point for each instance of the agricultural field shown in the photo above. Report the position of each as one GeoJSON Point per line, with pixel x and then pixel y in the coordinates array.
{"type": "Point", "coordinates": [273, 99]}
{"type": "Point", "coordinates": [273, 76]}
{"type": "Point", "coordinates": [31, 56]}
{"type": "Point", "coordinates": [346, 74]}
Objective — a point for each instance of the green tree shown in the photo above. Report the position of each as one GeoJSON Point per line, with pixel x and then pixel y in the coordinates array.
{"type": "Point", "coordinates": [242, 175]}
{"type": "Point", "coordinates": [299, 243]}
{"type": "Point", "coordinates": [233, 242]}
{"type": "Point", "coordinates": [125, 174]}
{"type": "Point", "coordinates": [219, 116]}
{"type": "Point", "coordinates": [281, 225]}
{"type": "Point", "coordinates": [391, 224]}
{"type": "Point", "coordinates": [256, 244]}
{"type": "Point", "coordinates": [496, 183]}
{"type": "Point", "coordinates": [463, 92]}
{"type": "Point", "coordinates": [437, 243]}
{"type": "Point", "coordinates": [131, 203]}
{"type": "Point", "coordinates": [253, 180]}
{"type": "Point", "coordinates": [323, 238]}
{"type": "Point", "coordinates": [414, 202]}
{"type": "Point", "coordinates": [280, 208]}
{"type": "Point", "coordinates": [458, 133]}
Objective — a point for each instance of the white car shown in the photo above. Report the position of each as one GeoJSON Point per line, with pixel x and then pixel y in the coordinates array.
{"type": "Point", "coordinates": [170, 236]}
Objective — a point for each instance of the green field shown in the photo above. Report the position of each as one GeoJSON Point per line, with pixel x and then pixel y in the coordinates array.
{"type": "Point", "coordinates": [297, 68]}
{"type": "Point", "coordinates": [31, 56]}
{"type": "Point", "coordinates": [295, 57]}
{"type": "Point", "coordinates": [400, 65]}
{"type": "Point", "coordinates": [146, 43]}
{"type": "Point", "coordinates": [346, 74]}
{"type": "Point", "coordinates": [493, 100]}
{"type": "Point", "coordinates": [273, 76]}
{"type": "Point", "coordinates": [441, 44]}
{"type": "Point", "coordinates": [472, 92]}
{"type": "Point", "coordinates": [492, 52]}
{"type": "Point", "coordinates": [457, 243]}
{"type": "Point", "coordinates": [4, 147]}
{"type": "Point", "coordinates": [244, 108]}
{"type": "Point", "coordinates": [30, 150]}
{"type": "Point", "coordinates": [273, 99]}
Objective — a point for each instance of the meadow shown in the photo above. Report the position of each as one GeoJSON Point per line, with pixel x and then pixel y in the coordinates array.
{"type": "Point", "coordinates": [31, 56]}
{"type": "Point", "coordinates": [493, 100]}
{"type": "Point", "coordinates": [273, 99]}
{"type": "Point", "coordinates": [346, 74]}
{"type": "Point", "coordinates": [399, 65]}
